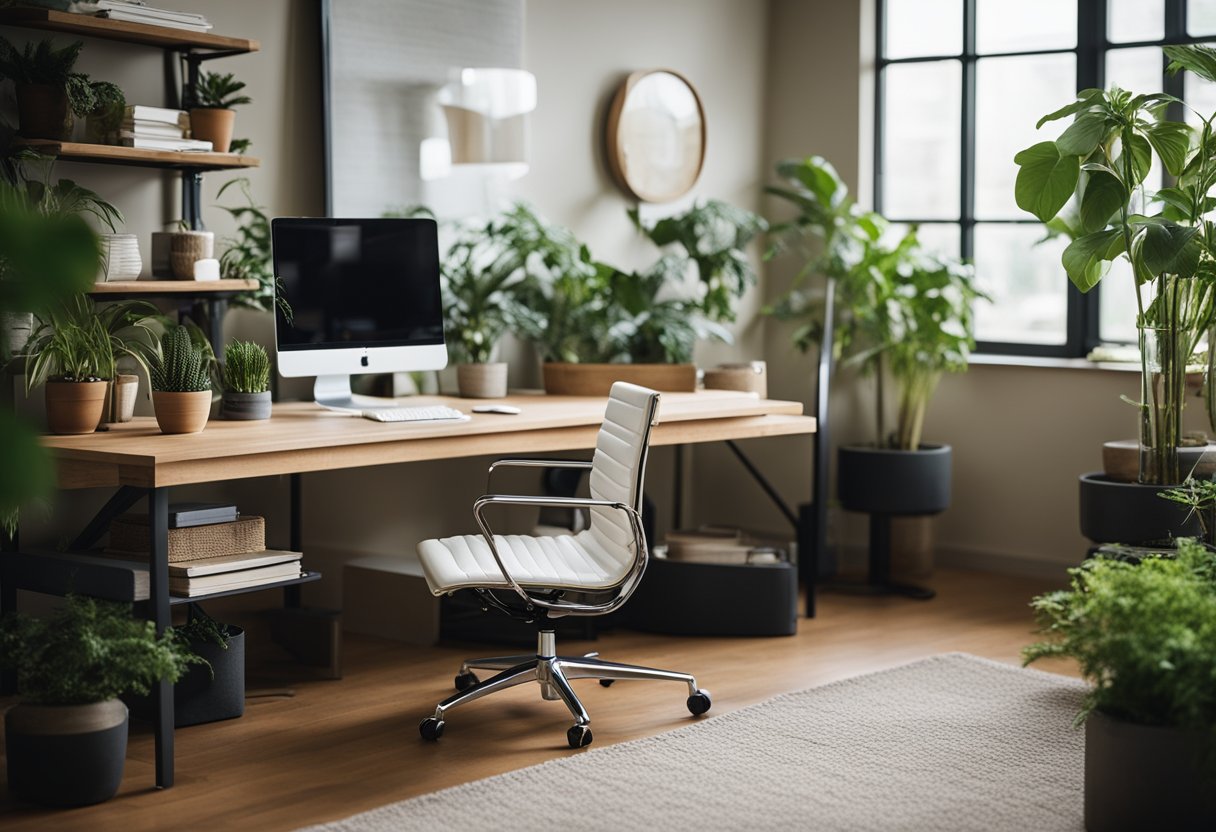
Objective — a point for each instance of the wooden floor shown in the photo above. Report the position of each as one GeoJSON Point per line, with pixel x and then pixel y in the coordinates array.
{"type": "Point", "coordinates": [341, 747]}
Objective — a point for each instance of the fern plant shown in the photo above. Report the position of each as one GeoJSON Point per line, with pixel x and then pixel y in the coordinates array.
{"type": "Point", "coordinates": [219, 92]}
{"type": "Point", "coordinates": [182, 365]}
{"type": "Point", "coordinates": [43, 64]}
{"type": "Point", "coordinates": [246, 368]}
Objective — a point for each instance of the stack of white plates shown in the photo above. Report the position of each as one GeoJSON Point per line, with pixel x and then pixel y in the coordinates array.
{"type": "Point", "coordinates": [119, 258]}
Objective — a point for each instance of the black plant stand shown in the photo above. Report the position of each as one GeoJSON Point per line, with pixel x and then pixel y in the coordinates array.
{"type": "Point", "coordinates": [879, 582]}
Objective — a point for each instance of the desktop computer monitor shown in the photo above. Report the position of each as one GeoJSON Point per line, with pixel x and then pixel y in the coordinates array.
{"type": "Point", "coordinates": [356, 296]}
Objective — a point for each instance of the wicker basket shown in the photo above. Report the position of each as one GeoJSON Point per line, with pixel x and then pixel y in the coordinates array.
{"type": "Point", "coordinates": [129, 536]}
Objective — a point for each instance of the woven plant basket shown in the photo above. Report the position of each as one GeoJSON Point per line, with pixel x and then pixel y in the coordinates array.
{"type": "Point", "coordinates": [129, 536]}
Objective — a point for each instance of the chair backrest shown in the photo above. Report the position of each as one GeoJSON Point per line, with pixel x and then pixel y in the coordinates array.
{"type": "Point", "coordinates": [619, 465]}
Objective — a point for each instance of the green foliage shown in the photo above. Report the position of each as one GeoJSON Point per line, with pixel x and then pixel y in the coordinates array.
{"type": "Point", "coordinates": [88, 651]}
{"type": "Point", "coordinates": [182, 365]}
{"type": "Point", "coordinates": [42, 63]}
{"type": "Point", "coordinates": [240, 146]}
{"type": "Point", "coordinates": [247, 256]}
{"type": "Point", "coordinates": [77, 340]}
{"type": "Point", "coordinates": [899, 309]}
{"type": "Point", "coordinates": [246, 368]}
{"type": "Point", "coordinates": [1200, 497]}
{"type": "Point", "coordinates": [31, 177]}
{"type": "Point", "coordinates": [1144, 634]}
{"type": "Point", "coordinates": [219, 91]}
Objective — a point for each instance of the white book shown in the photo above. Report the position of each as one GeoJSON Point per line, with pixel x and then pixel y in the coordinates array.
{"type": "Point", "coordinates": [184, 145]}
{"type": "Point", "coordinates": [164, 131]}
{"type": "Point", "coordinates": [232, 563]}
{"type": "Point", "coordinates": [163, 115]}
{"type": "Point", "coordinates": [190, 587]}
{"type": "Point", "coordinates": [150, 11]}
{"type": "Point", "coordinates": [129, 17]}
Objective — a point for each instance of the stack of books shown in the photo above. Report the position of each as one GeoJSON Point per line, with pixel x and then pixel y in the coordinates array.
{"type": "Point", "coordinates": [136, 11]}
{"type": "Point", "coordinates": [159, 128]}
{"type": "Point", "coordinates": [227, 572]}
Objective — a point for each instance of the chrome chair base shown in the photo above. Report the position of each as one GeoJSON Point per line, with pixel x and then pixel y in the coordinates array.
{"type": "Point", "coordinates": [553, 673]}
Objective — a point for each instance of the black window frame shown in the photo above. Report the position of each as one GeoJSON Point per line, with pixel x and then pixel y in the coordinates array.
{"type": "Point", "coordinates": [1090, 51]}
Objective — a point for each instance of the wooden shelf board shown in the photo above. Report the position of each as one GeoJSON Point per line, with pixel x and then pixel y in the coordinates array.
{"type": "Point", "coordinates": [306, 578]}
{"type": "Point", "coordinates": [100, 27]}
{"type": "Point", "coordinates": [108, 154]}
{"type": "Point", "coordinates": [172, 287]}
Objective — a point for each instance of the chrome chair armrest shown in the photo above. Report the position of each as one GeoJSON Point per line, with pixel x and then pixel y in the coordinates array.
{"type": "Point", "coordinates": [535, 463]}
{"type": "Point", "coordinates": [631, 578]}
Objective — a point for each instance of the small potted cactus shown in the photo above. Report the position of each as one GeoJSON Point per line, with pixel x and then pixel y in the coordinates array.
{"type": "Point", "coordinates": [181, 383]}
{"type": "Point", "coordinates": [246, 381]}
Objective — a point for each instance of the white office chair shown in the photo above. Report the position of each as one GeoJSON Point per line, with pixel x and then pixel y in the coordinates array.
{"type": "Point", "coordinates": [600, 567]}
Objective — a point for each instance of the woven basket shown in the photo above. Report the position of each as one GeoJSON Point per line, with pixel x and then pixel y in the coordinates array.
{"type": "Point", "coordinates": [129, 535]}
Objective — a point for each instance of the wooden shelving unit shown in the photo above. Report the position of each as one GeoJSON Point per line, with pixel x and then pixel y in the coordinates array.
{"type": "Point", "coordinates": [98, 27]}
{"type": "Point", "coordinates": [108, 154]}
{"type": "Point", "coordinates": [164, 288]}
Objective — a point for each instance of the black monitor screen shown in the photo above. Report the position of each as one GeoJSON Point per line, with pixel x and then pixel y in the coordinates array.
{"type": "Point", "coordinates": [346, 283]}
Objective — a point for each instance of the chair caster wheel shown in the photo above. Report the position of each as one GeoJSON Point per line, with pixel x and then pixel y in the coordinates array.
{"type": "Point", "coordinates": [699, 703]}
{"type": "Point", "coordinates": [431, 728]}
{"type": "Point", "coordinates": [606, 683]}
{"type": "Point", "coordinates": [579, 736]}
{"type": "Point", "coordinates": [466, 680]}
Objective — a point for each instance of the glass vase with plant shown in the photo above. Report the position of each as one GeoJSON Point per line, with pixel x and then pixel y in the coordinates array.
{"type": "Point", "coordinates": [246, 381]}
{"type": "Point", "coordinates": [1090, 185]}
{"type": "Point", "coordinates": [181, 383]}
{"type": "Point", "coordinates": [211, 108]}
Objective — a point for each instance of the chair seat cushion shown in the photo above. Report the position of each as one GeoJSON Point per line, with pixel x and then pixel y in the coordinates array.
{"type": "Point", "coordinates": [563, 562]}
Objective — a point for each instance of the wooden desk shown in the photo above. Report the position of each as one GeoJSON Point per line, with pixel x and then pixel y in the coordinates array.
{"type": "Point", "coordinates": [140, 462]}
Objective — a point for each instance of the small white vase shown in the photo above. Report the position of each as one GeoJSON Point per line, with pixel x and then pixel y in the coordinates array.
{"type": "Point", "coordinates": [120, 258]}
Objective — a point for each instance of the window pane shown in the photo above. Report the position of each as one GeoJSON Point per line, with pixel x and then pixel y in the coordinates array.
{"type": "Point", "coordinates": [1026, 282]}
{"type": "Point", "coordinates": [923, 27]}
{"type": "Point", "coordinates": [1004, 26]}
{"type": "Point", "coordinates": [921, 140]}
{"type": "Point", "coordinates": [940, 237]}
{"type": "Point", "coordinates": [1117, 304]}
{"type": "Point", "coordinates": [1135, 20]}
{"type": "Point", "coordinates": [1200, 95]}
{"type": "Point", "coordinates": [1012, 95]}
{"type": "Point", "coordinates": [1139, 71]}
{"type": "Point", "coordinates": [1201, 17]}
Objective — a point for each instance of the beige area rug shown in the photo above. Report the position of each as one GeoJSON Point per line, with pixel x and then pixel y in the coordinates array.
{"type": "Point", "coordinates": [950, 742]}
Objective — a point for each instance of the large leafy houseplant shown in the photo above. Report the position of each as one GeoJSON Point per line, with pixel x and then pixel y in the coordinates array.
{"type": "Point", "coordinates": [1090, 185]}
{"type": "Point", "coordinates": [247, 255]}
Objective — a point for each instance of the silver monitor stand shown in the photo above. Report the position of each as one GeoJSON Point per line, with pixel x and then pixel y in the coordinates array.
{"type": "Point", "coordinates": [333, 393]}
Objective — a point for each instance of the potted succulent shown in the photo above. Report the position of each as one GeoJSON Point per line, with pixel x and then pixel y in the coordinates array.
{"type": "Point", "coordinates": [1144, 634]}
{"type": "Point", "coordinates": [50, 96]}
{"type": "Point", "coordinates": [211, 114]}
{"type": "Point", "coordinates": [66, 741]}
{"type": "Point", "coordinates": [181, 383]}
{"type": "Point", "coordinates": [901, 314]}
{"type": "Point", "coordinates": [246, 382]}
{"type": "Point", "coordinates": [1084, 186]}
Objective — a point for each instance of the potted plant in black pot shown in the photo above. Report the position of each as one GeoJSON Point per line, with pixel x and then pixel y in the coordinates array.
{"type": "Point", "coordinates": [1144, 634]}
{"type": "Point", "coordinates": [1084, 186]}
{"type": "Point", "coordinates": [246, 382]}
{"type": "Point", "coordinates": [66, 742]}
{"type": "Point", "coordinates": [903, 315]}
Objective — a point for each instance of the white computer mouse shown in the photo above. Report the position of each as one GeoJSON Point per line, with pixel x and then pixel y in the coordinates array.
{"type": "Point", "coordinates": [505, 409]}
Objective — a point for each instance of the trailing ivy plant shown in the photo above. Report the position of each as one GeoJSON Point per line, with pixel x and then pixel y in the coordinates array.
{"type": "Point", "coordinates": [1144, 634]}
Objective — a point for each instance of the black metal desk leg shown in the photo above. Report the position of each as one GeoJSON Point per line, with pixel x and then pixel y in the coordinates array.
{"type": "Point", "coordinates": [292, 597]}
{"type": "Point", "coordinates": [158, 606]}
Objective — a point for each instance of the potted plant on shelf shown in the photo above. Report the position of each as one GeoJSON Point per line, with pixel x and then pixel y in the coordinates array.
{"type": "Point", "coordinates": [106, 115]}
{"type": "Point", "coordinates": [50, 96]}
{"type": "Point", "coordinates": [181, 383]}
{"type": "Point", "coordinates": [1144, 634]}
{"type": "Point", "coordinates": [246, 382]}
{"type": "Point", "coordinates": [211, 114]}
{"type": "Point", "coordinates": [66, 742]}
{"type": "Point", "coordinates": [1089, 184]}
{"type": "Point", "coordinates": [901, 314]}
{"type": "Point", "coordinates": [213, 688]}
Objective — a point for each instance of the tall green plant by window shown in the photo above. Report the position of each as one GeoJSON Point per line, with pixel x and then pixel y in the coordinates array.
{"type": "Point", "coordinates": [1089, 185]}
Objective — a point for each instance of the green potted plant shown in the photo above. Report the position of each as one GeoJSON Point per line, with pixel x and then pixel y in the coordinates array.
{"type": "Point", "coordinates": [247, 255]}
{"type": "Point", "coordinates": [66, 741]}
{"type": "Point", "coordinates": [49, 93]}
{"type": "Point", "coordinates": [1144, 635]}
{"type": "Point", "coordinates": [211, 114]}
{"type": "Point", "coordinates": [1089, 185]}
{"type": "Point", "coordinates": [106, 115]}
{"type": "Point", "coordinates": [214, 688]}
{"type": "Point", "coordinates": [181, 383]}
{"type": "Point", "coordinates": [246, 382]}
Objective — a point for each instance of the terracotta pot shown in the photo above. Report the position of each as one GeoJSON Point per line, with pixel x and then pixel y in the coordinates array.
{"type": "Point", "coordinates": [75, 406]}
{"type": "Point", "coordinates": [482, 381]}
{"type": "Point", "coordinates": [212, 125]}
{"type": "Point", "coordinates": [185, 247]}
{"type": "Point", "coordinates": [66, 755]}
{"type": "Point", "coordinates": [563, 379]}
{"type": "Point", "coordinates": [182, 412]}
{"type": "Point", "coordinates": [43, 112]}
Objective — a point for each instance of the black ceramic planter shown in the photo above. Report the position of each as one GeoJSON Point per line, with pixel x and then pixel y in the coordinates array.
{"type": "Point", "coordinates": [881, 480]}
{"type": "Point", "coordinates": [199, 698]}
{"type": "Point", "coordinates": [66, 755]}
{"type": "Point", "coordinates": [1131, 513]}
{"type": "Point", "coordinates": [1145, 777]}
{"type": "Point", "coordinates": [245, 406]}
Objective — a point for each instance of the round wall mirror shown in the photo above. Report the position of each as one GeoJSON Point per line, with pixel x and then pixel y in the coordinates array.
{"type": "Point", "coordinates": [656, 135]}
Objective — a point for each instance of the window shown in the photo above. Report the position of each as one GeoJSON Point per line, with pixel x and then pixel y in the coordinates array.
{"type": "Point", "coordinates": [961, 84]}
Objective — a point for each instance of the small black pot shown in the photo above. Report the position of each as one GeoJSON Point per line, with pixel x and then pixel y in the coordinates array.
{"type": "Point", "coordinates": [198, 698]}
{"type": "Point", "coordinates": [1132, 513]}
{"type": "Point", "coordinates": [66, 755]}
{"type": "Point", "coordinates": [1145, 777]}
{"type": "Point", "coordinates": [246, 406]}
{"type": "Point", "coordinates": [886, 481]}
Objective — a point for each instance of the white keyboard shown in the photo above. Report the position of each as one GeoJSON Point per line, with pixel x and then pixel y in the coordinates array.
{"type": "Point", "coordinates": [434, 413]}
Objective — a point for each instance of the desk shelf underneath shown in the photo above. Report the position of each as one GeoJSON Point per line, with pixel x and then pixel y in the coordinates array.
{"type": "Point", "coordinates": [306, 578]}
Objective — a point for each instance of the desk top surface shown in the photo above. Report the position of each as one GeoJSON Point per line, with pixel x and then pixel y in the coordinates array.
{"type": "Point", "coordinates": [301, 437]}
